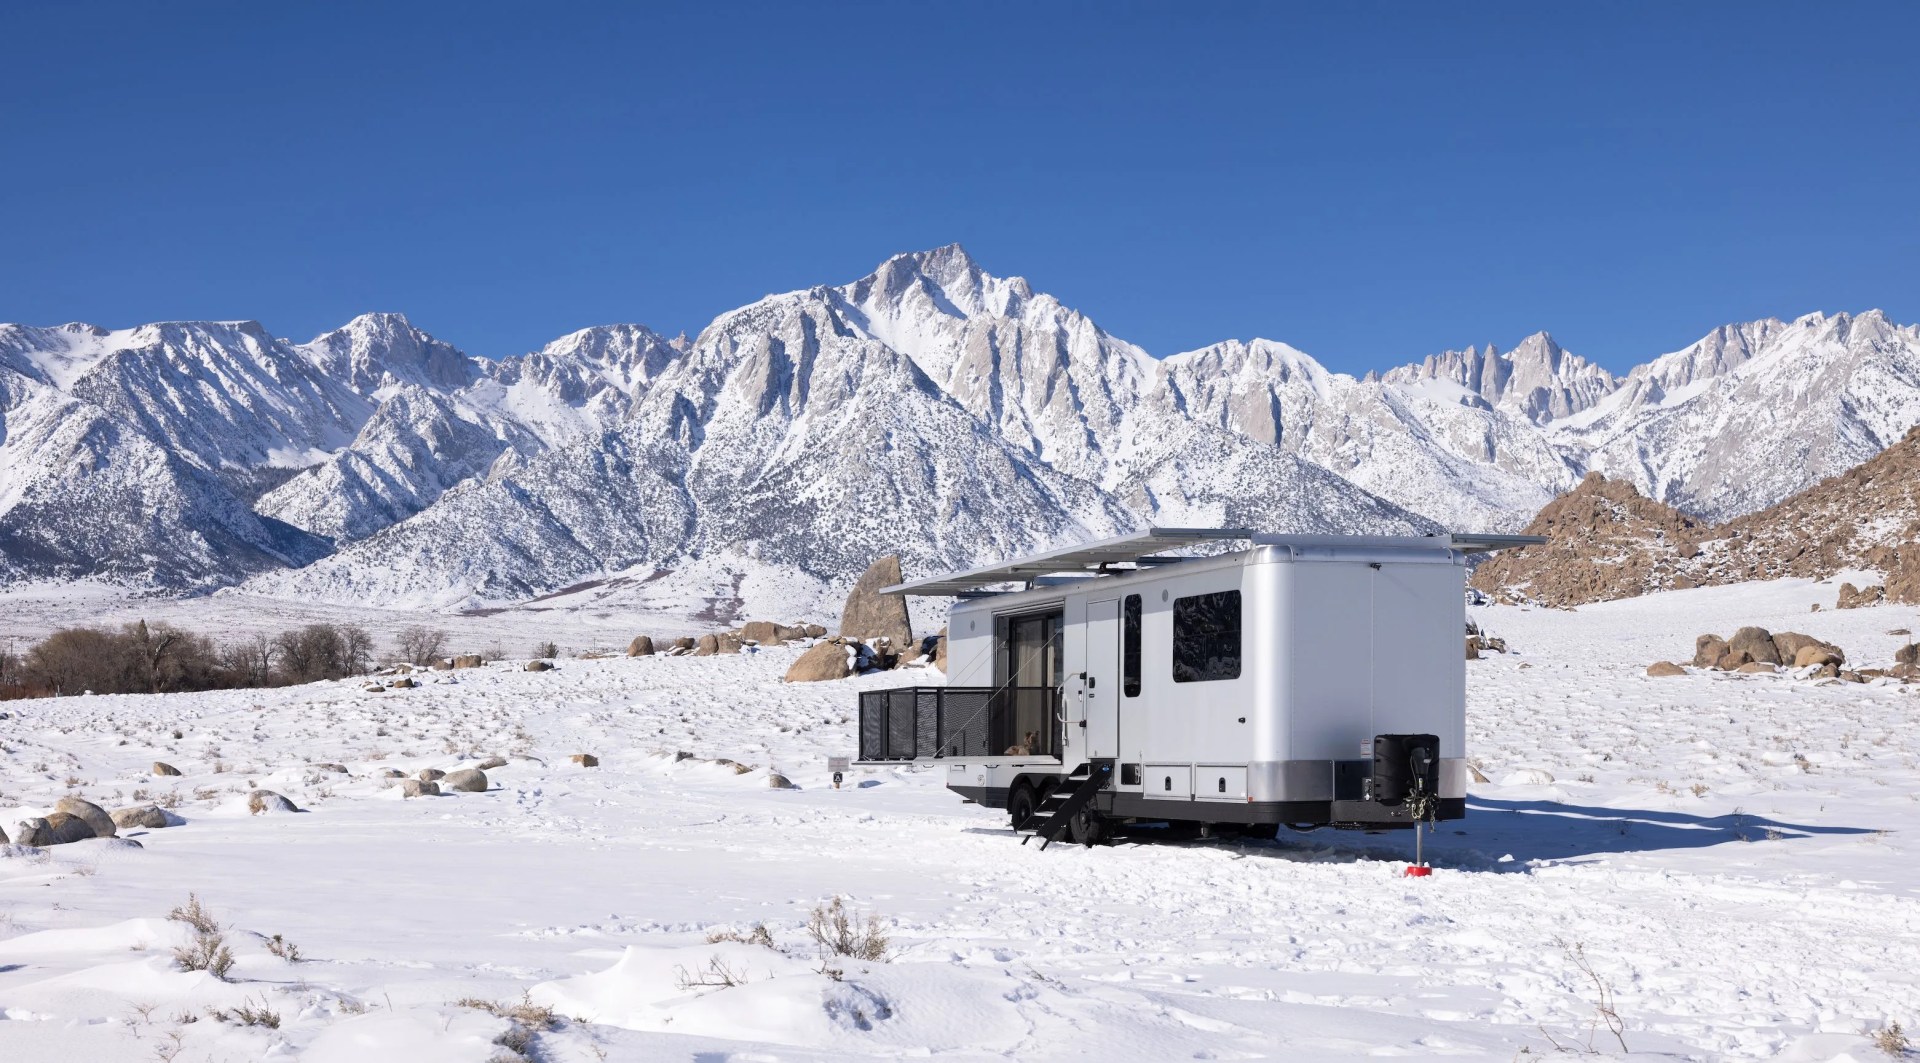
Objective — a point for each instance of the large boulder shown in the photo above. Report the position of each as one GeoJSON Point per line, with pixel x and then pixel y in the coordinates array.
{"type": "Point", "coordinates": [1791, 643]}
{"type": "Point", "coordinates": [266, 802]}
{"type": "Point", "coordinates": [431, 774]}
{"type": "Point", "coordinates": [151, 817]}
{"type": "Point", "coordinates": [641, 646]}
{"type": "Point", "coordinates": [1908, 654]}
{"type": "Point", "coordinates": [539, 666]}
{"type": "Point", "coordinates": [492, 762]}
{"type": "Point", "coordinates": [417, 788]}
{"type": "Point", "coordinates": [683, 645]}
{"type": "Point", "coordinates": [1473, 647]}
{"type": "Point", "coordinates": [95, 816]}
{"type": "Point", "coordinates": [729, 641]}
{"type": "Point", "coordinates": [1707, 651]}
{"type": "Point", "coordinates": [828, 660]}
{"type": "Point", "coordinates": [1817, 655]}
{"type": "Point", "coordinates": [764, 632]}
{"type": "Point", "coordinates": [1756, 643]}
{"type": "Point", "coordinates": [466, 780]}
{"type": "Point", "coordinates": [585, 760]}
{"type": "Point", "coordinates": [161, 767]}
{"type": "Point", "coordinates": [64, 828]}
{"type": "Point", "coordinates": [707, 646]}
{"type": "Point", "coordinates": [1852, 597]}
{"type": "Point", "coordinates": [870, 614]}
{"type": "Point", "coordinates": [469, 660]}
{"type": "Point", "coordinates": [1665, 668]}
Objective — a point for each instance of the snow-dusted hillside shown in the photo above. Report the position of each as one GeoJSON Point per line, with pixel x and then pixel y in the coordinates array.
{"type": "Point", "coordinates": [930, 408]}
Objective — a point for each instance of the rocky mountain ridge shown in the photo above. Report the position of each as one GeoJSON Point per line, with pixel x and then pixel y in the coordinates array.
{"type": "Point", "coordinates": [930, 408]}
{"type": "Point", "coordinates": [1607, 541]}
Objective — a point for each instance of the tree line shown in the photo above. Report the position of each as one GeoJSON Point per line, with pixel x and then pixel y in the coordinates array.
{"type": "Point", "coordinates": [143, 658]}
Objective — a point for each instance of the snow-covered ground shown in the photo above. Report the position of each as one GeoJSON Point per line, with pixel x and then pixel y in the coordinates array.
{"type": "Point", "coordinates": [1731, 857]}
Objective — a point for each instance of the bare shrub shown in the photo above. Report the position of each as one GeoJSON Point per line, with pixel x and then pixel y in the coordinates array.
{"type": "Point", "coordinates": [838, 932]}
{"type": "Point", "coordinates": [1892, 1040]}
{"type": "Point", "coordinates": [208, 953]}
{"type": "Point", "coordinates": [248, 1014]}
{"type": "Point", "coordinates": [525, 1019]}
{"type": "Point", "coordinates": [195, 915]}
{"type": "Point", "coordinates": [715, 975]}
{"type": "Point", "coordinates": [283, 948]}
{"type": "Point", "coordinates": [546, 649]}
{"type": "Point", "coordinates": [759, 935]}
{"type": "Point", "coordinates": [1604, 1012]}
{"type": "Point", "coordinates": [422, 645]}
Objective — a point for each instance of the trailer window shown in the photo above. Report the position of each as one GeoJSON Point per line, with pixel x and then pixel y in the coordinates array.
{"type": "Point", "coordinates": [1206, 637]}
{"type": "Point", "coordinates": [1130, 646]}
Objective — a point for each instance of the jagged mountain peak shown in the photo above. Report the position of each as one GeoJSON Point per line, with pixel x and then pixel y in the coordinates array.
{"type": "Point", "coordinates": [379, 351]}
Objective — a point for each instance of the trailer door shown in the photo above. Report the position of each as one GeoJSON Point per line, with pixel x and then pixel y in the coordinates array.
{"type": "Point", "coordinates": [1102, 686]}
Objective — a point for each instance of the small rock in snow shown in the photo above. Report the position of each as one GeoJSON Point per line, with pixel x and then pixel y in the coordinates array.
{"type": "Point", "coordinates": [467, 780]}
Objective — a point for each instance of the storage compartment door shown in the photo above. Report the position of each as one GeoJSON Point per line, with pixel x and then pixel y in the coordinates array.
{"type": "Point", "coordinates": [1167, 782]}
{"type": "Point", "coordinates": [1218, 782]}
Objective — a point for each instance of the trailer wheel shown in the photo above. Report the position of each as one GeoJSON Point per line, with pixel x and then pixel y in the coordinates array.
{"type": "Point", "coordinates": [1021, 804]}
{"type": "Point", "coordinates": [1089, 827]}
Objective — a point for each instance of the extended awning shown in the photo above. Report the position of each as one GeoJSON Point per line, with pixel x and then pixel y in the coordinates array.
{"type": "Point", "coordinates": [1483, 542]}
{"type": "Point", "coordinates": [1138, 548]}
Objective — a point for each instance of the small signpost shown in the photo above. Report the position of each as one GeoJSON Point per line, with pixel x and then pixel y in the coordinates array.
{"type": "Point", "coordinates": [839, 766]}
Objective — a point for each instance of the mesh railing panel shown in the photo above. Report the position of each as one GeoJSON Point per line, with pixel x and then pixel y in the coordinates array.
{"type": "Point", "coordinates": [911, 722]}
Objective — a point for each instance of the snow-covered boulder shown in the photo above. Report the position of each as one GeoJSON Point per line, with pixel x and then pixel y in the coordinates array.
{"type": "Point", "coordinates": [94, 816]}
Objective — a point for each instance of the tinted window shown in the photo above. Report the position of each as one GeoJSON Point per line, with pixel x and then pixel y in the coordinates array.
{"type": "Point", "coordinates": [1206, 637]}
{"type": "Point", "coordinates": [1130, 646]}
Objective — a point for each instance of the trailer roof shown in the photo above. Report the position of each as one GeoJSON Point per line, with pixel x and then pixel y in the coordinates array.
{"type": "Point", "coordinates": [1126, 549]}
{"type": "Point", "coordinates": [1143, 548]}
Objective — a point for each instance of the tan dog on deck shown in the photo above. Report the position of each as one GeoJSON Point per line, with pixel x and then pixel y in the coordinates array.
{"type": "Point", "coordinates": [1025, 749]}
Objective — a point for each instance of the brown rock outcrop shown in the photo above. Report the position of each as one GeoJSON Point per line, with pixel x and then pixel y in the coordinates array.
{"type": "Point", "coordinates": [1608, 541]}
{"type": "Point", "coordinates": [823, 662]}
{"type": "Point", "coordinates": [641, 646]}
{"type": "Point", "coordinates": [870, 614]}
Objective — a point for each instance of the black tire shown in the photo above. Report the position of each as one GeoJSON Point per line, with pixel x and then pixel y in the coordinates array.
{"type": "Point", "coordinates": [1021, 805]}
{"type": "Point", "coordinates": [1088, 826]}
{"type": "Point", "coordinates": [1265, 832]}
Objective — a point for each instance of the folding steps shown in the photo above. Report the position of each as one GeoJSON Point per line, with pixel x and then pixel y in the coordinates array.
{"type": "Point", "coordinates": [1074, 794]}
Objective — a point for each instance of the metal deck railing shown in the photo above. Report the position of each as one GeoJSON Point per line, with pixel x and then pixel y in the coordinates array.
{"type": "Point", "coordinates": [907, 723]}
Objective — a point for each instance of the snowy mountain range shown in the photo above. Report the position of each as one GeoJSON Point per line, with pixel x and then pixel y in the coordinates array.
{"type": "Point", "coordinates": [930, 409]}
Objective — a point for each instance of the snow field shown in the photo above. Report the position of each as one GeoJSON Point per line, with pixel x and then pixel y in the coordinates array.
{"type": "Point", "coordinates": [1728, 855]}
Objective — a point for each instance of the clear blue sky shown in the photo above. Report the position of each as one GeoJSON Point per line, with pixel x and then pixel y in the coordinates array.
{"type": "Point", "coordinates": [1369, 183]}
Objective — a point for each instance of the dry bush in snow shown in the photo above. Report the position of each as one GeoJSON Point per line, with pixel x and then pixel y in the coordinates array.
{"type": "Point", "coordinates": [839, 933]}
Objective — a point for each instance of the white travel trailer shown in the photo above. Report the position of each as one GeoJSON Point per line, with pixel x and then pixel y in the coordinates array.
{"type": "Point", "coordinates": [1304, 680]}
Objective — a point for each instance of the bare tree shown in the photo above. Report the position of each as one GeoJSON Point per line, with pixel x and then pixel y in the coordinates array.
{"type": "Point", "coordinates": [422, 645]}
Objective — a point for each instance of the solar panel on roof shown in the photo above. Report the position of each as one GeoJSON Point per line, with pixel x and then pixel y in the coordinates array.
{"type": "Point", "coordinates": [1125, 549]}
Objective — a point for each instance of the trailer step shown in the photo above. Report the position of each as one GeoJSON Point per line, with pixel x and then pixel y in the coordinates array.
{"type": "Point", "coordinates": [1075, 793]}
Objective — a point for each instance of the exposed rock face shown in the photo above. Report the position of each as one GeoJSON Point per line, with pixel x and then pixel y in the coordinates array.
{"type": "Point", "coordinates": [1708, 650]}
{"type": "Point", "coordinates": [1608, 541]}
{"type": "Point", "coordinates": [1473, 648]}
{"type": "Point", "coordinates": [763, 632]}
{"type": "Point", "coordinates": [147, 816]}
{"type": "Point", "coordinates": [1756, 643]}
{"type": "Point", "coordinates": [641, 646]}
{"type": "Point", "coordinates": [870, 614]}
{"type": "Point", "coordinates": [1792, 644]}
{"type": "Point", "coordinates": [586, 760]}
{"type": "Point", "coordinates": [1665, 668]}
{"type": "Point", "coordinates": [466, 780]}
{"type": "Point", "coordinates": [262, 802]}
{"type": "Point", "coordinates": [1852, 597]}
{"type": "Point", "coordinates": [60, 828]}
{"type": "Point", "coordinates": [94, 816]}
{"type": "Point", "coordinates": [823, 662]}
{"type": "Point", "coordinates": [163, 768]}
{"type": "Point", "coordinates": [1908, 654]}
{"type": "Point", "coordinates": [683, 645]}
